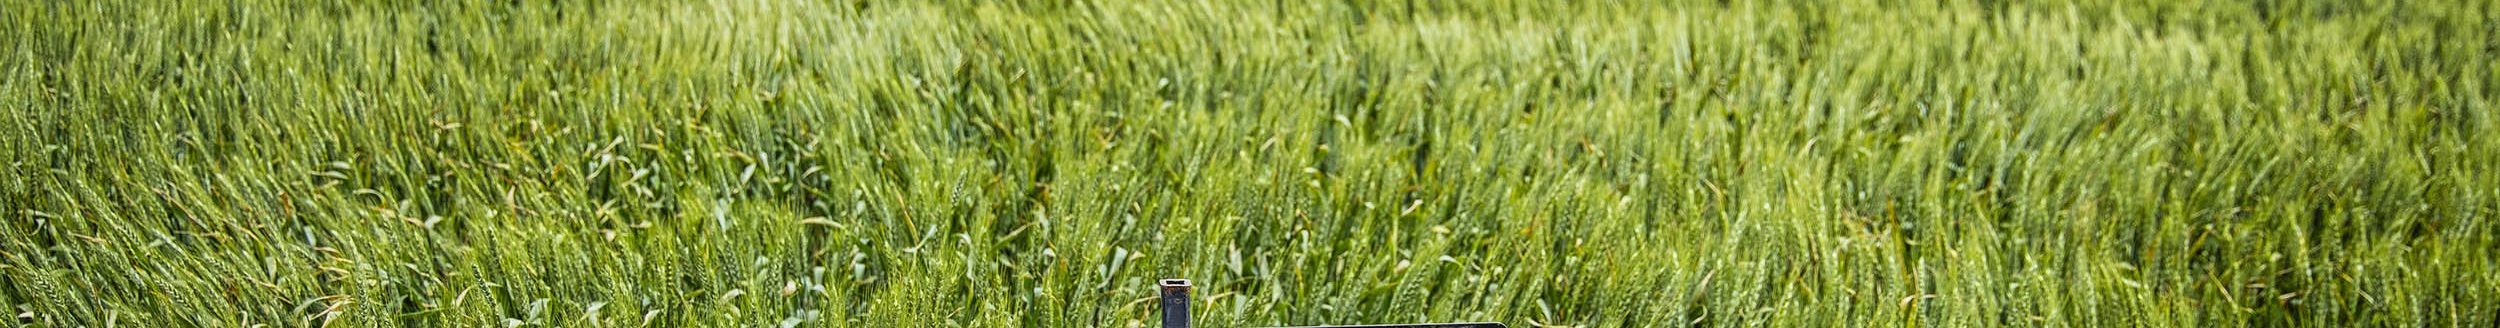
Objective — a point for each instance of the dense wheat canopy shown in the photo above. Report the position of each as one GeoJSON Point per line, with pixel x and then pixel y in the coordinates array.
{"type": "Point", "coordinates": [2128, 163]}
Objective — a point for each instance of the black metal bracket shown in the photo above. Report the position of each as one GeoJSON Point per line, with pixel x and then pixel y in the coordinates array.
{"type": "Point", "coordinates": [1175, 303]}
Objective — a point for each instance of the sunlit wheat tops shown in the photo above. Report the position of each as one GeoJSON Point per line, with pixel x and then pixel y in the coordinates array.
{"type": "Point", "coordinates": [2122, 163]}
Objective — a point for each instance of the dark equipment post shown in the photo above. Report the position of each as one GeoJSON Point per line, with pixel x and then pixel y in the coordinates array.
{"type": "Point", "coordinates": [1175, 303]}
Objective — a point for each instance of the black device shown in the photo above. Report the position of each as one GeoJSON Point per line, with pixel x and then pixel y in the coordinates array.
{"type": "Point", "coordinates": [1175, 305]}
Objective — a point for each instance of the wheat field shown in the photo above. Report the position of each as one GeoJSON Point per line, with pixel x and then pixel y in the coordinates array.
{"type": "Point", "coordinates": [1040, 163]}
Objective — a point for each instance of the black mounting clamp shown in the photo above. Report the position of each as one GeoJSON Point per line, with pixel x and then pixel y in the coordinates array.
{"type": "Point", "coordinates": [1175, 304]}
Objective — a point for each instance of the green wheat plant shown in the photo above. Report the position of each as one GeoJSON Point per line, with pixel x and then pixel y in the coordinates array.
{"type": "Point", "coordinates": [1040, 163]}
